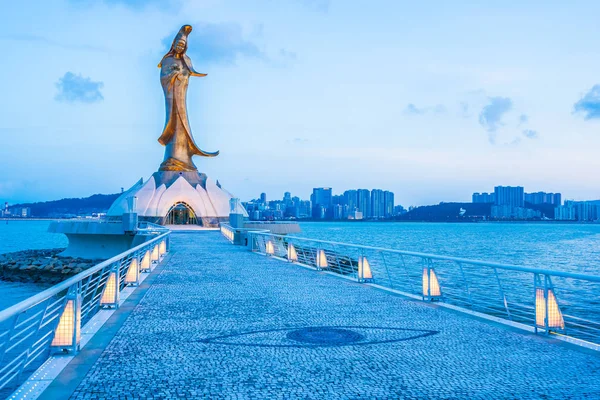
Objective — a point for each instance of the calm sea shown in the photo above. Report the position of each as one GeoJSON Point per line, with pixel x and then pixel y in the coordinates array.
{"type": "Point", "coordinates": [568, 247]}
{"type": "Point", "coordinates": [24, 235]}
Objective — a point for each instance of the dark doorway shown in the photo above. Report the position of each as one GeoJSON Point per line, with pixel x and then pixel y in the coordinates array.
{"type": "Point", "coordinates": [181, 214]}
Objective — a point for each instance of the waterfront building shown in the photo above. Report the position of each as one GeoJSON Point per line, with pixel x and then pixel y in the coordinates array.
{"type": "Point", "coordinates": [19, 212]}
{"type": "Point", "coordinates": [484, 198]}
{"type": "Point", "coordinates": [584, 211]}
{"type": "Point", "coordinates": [321, 199]}
{"type": "Point", "coordinates": [377, 203]}
{"type": "Point", "coordinates": [351, 199]}
{"type": "Point", "coordinates": [287, 198]}
{"type": "Point", "coordinates": [263, 198]}
{"type": "Point", "coordinates": [364, 202]}
{"type": "Point", "coordinates": [564, 213]}
{"type": "Point", "coordinates": [543, 198]}
{"type": "Point", "coordinates": [355, 215]}
{"type": "Point", "coordinates": [388, 204]}
{"type": "Point", "coordinates": [510, 212]}
{"type": "Point", "coordinates": [338, 211]}
{"type": "Point", "coordinates": [512, 196]}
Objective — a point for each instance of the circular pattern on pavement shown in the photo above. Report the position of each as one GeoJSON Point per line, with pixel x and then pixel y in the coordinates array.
{"type": "Point", "coordinates": [325, 336]}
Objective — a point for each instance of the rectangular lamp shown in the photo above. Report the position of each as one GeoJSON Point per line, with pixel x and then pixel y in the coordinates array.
{"type": "Point", "coordinates": [110, 296]}
{"type": "Point", "coordinates": [364, 270]}
{"type": "Point", "coordinates": [292, 254]}
{"type": "Point", "coordinates": [133, 273]}
{"type": "Point", "coordinates": [431, 286]}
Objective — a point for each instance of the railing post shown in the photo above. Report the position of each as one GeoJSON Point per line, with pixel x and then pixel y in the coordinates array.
{"type": "Point", "coordinates": [110, 295]}
{"type": "Point", "coordinates": [67, 334]}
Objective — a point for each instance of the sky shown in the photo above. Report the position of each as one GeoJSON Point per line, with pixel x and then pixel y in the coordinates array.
{"type": "Point", "coordinates": [433, 100]}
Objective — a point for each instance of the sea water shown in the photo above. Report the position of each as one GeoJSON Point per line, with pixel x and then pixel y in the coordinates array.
{"type": "Point", "coordinates": [555, 246]}
{"type": "Point", "coordinates": [25, 235]}
{"type": "Point", "coordinates": [565, 247]}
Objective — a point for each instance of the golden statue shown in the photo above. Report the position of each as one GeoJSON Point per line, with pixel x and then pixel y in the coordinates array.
{"type": "Point", "coordinates": [175, 71]}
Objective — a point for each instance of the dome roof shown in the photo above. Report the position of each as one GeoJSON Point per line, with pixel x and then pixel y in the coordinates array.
{"type": "Point", "coordinates": [157, 195]}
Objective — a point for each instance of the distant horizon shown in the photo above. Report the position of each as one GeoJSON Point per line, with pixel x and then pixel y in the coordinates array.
{"type": "Point", "coordinates": [428, 102]}
{"type": "Point", "coordinates": [564, 198]}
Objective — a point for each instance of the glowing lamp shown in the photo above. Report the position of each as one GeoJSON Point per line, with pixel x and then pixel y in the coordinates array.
{"type": "Point", "coordinates": [364, 270]}
{"type": "Point", "coordinates": [68, 331]}
{"type": "Point", "coordinates": [162, 248]}
{"type": "Point", "coordinates": [154, 255]}
{"type": "Point", "coordinates": [110, 296]}
{"type": "Point", "coordinates": [146, 261]}
{"type": "Point", "coordinates": [321, 259]}
{"type": "Point", "coordinates": [547, 313]}
{"type": "Point", "coordinates": [133, 273]}
{"type": "Point", "coordinates": [292, 254]}
{"type": "Point", "coordinates": [431, 286]}
{"type": "Point", "coordinates": [269, 248]}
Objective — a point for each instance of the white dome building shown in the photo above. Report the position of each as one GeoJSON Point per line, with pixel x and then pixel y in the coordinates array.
{"type": "Point", "coordinates": [176, 198]}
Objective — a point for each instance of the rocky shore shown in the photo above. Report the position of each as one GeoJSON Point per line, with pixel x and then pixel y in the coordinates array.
{"type": "Point", "coordinates": [41, 266]}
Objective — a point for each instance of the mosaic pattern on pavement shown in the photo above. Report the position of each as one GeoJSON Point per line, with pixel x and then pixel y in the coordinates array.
{"type": "Point", "coordinates": [217, 323]}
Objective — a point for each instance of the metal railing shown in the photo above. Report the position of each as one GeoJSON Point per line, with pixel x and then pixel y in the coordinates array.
{"type": "Point", "coordinates": [545, 300]}
{"type": "Point", "coordinates": [51, 321]}
{"type": "Point", "coordinates": [238, 235]}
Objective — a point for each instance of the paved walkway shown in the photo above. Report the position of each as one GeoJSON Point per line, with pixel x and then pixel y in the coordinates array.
{"type": "Point", "coordinates": [220, 322]}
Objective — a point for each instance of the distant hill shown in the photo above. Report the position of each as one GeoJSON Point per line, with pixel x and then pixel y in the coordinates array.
{"type": "Point", "coordinates": [448, 212]}
{"type": "Point", "coordinates": [473, 211]}
{"type": "Point", "coordinates": [97, 203]}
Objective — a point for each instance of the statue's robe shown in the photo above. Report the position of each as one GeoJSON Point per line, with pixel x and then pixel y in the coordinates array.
{"type": "Point", "coordinates": [177, 135]}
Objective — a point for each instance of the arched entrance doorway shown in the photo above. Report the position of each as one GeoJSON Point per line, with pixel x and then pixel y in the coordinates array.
{"type": "Point", "coordinates": [181, 214]}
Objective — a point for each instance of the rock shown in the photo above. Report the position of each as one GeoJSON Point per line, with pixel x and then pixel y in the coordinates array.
{"type": "Point", "coordinates": [41, 266]}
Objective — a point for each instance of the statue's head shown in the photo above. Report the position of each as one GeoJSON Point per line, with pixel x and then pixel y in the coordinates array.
{"type": "Point", "coordinates": [179, 45]}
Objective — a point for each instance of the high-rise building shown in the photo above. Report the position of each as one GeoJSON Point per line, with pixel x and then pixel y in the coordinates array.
{"type": "Point", "coordinates": [364, 202]}
{"type": "Point", "coordinates": [338, 211]}
{"type": "Point", "coordinates": [321, 201]}
{"type": "Point", "coordinates": [543, 198]}
{"type": "Point", "coordinates": [351, 199]}
{"type": "Point", "coordinates": [512, 196]}
{"type": "Point", "coordinates": [377, 203]}
{"type": "Point", "coordinates": [263, 198]}
{"type": "Point", "coordinates": [484, 198]}
{"type": "Point", "coordinates": [287, 198]}
{"type": "Point", "coordinates": [388, 204]}
{"type": "Point", "coordinates": [338, 199]}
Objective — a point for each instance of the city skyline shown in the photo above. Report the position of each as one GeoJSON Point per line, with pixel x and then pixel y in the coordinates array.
{"type": "Point", "coordinates": [431, 102]}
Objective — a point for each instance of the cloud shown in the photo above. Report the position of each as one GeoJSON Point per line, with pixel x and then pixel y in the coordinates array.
{"type": "Point", "coordinates": [411, 109]}
{"type": "Point", "coordinates": [464, 109]}
{"type": "Point", "coordinates": [221, 43]}
{"type": "Point", "coordinates": [76, 88]}
{"type": "Point", "coordinates": [523, 119]}
{"type": "Point", "coordinates": [589, 104]}
{"type": "Point", "coordinates": [530, 134]}
{"type": "Point", "coordinates": [491, 115]}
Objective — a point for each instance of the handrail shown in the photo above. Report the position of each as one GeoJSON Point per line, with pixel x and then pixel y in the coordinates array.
{"type": "Point", "coordinates": [542, 299]}
{"type": "Point", "coordinates": [64, 285]}
{"type": "Point", "coordinates": [511, 267]}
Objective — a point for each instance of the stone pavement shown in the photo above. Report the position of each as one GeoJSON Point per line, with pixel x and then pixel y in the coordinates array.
{"type": "Point", "coordinates": [221, 322]}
